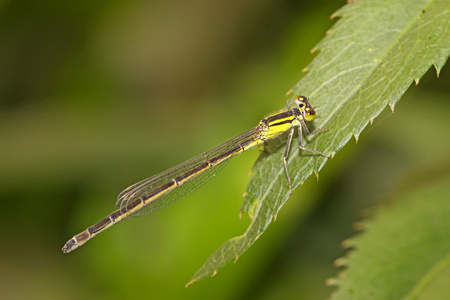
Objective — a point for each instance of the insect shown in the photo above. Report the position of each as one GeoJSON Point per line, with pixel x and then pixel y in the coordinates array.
{"type": "Point", "coordinates": [174, 184]}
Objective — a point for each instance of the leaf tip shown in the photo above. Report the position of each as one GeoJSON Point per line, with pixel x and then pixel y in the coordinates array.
{"type": "Point", "coordinates": [189, 283]}
{"type": "Point", "coordinates": [392, 107]}
{"type": "Point", "coordinates": [416, 81]}
{"type": "Point", "coordinates": [356, 138]}
{"type": "Point", "coordinates": [371, 121]}
{"type": "Point", "coordinates": [275, 217]}
{"type": "Point", "coordinates": [317, 175]}
{"type": "Point", "coordinates": [235, 261]}
{"type": "Point", "coordinates": [333, 15]}
{"type": "Point", "coordinates": [214, 273]}
{"type": "Point", "coordinates": [332, 154]}
{"type": "Point", "coordinates": [331, 281]}
{"type": "Point", "coordinates": [340, 262]}
{"type": "Point", "coordinates": [348, 243]}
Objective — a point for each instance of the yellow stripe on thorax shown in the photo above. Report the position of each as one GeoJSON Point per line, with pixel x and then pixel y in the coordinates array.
{"type": "Point", "coordinates": [277, 124]}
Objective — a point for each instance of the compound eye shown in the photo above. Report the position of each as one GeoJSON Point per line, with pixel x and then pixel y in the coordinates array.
{"type": "Point", "coordinates": [310, 114]}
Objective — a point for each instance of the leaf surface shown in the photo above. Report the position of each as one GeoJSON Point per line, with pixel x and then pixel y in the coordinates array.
{"type": "Point", "coordinates": [367, 61]}
{"type": "Point", "coordinates": [404, 252]}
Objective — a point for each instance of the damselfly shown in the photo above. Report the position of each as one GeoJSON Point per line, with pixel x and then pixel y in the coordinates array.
{"type": "Point", "coordinates": [176, 183]}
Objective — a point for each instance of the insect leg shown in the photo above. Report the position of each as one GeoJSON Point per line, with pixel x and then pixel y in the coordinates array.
{"type": "Point", "coordinates": [300, 144]}
{"type": "Point", "coordinates": [285, 157]}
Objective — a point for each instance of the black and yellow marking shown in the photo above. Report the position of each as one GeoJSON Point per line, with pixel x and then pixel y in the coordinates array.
{"type": "Point", "coordinates": [176, 183]}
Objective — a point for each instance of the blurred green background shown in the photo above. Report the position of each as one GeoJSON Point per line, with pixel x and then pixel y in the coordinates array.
{"type": "Point", "coordinates": [95, 96]}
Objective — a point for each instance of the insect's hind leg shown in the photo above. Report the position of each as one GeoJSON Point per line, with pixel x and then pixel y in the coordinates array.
{"type": "Point", "coordinates": [300, 142]}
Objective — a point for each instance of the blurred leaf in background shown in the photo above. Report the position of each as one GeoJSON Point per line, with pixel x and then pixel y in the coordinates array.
{"type": "Point", "coordinates": [96, 96]}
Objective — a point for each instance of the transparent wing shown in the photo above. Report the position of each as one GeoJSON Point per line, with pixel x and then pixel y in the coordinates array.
{"type": "Point", "coordinates": [145, 186]}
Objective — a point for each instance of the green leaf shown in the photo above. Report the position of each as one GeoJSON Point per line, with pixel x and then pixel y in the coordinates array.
{"type": "Point", "coordinates": [368, 60]}
{"type": "Point", "coordinates": [404, 252]}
